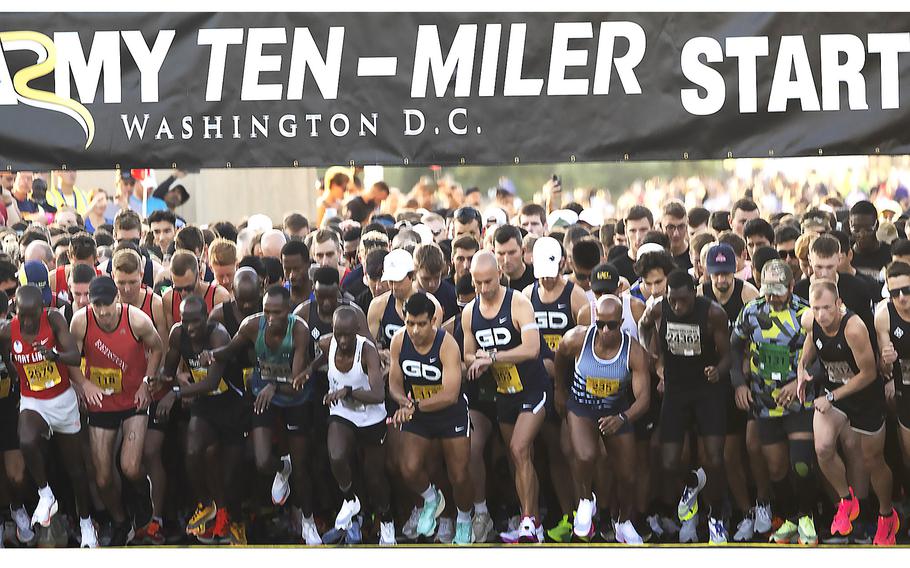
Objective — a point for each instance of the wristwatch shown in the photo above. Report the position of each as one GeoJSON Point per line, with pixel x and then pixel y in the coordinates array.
{"type": "Point", "coordinates": [623, 417]}
{"type": "Point", "coordinates": [830, 396]}
{"type": "Point", "coordinates": [493, 355]}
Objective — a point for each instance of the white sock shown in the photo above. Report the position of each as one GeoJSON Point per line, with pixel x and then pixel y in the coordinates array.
{"type": "Point", "coordinates": [429, 494]}
{"type": "Point", "coordinates": [308, 519]}
{"type": "Point", "coordinates": [463, 516]}
{"type": "Point", "coordinates": [86, 523]}
{"type": "Point", "coordinates": [46, 492]}
{"type": "Point", "coordinates": [480, 507]}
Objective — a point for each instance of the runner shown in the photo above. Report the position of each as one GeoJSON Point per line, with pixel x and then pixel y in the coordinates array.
{"type": "Point", "coordinates": [599, 369]}
{"type": "Point", "coordinates": [425, 380]}
{"type": "Point", "coordinates": [429, 266]}
{"type": "Point", "coordinates": [122, 351]}
{"type": "Point", "coordinates": [81, 251]}
{"type": "Point", "coordinates": [295, 258]}
{"type": "Point", "coordinates": [185, 275]}
{"type": "Point", "coordinates": [507, 246]}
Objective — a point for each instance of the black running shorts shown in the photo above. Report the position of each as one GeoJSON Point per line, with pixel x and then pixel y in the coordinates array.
{"type": "Point", "coordinates": [705, 406]}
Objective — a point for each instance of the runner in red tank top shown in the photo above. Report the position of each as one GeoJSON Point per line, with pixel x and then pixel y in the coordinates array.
{"type": "Point", "coordinates": [122, 351]}
{"type": "Point", "coordinates": [82, 250]}
{"type": "Point", "coordinates": [185, 275]}
{"type": "Point", "coordinates": [38, 345]}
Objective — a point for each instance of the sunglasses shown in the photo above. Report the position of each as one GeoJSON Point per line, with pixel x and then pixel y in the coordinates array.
{"type": "Point", "coordinates": [612, 325]}
{"type": "Point", "coordinates": [905, 291]}
{"type": "Point", "coordinates": [185, 289]}
{"type": "Point", "coordinates": [785, 254]}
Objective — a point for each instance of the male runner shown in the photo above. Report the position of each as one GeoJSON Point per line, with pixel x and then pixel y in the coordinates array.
{"type": "Point", "coordinates": [504, 339]}
{"type": "Point", "coordinates": [185, 275]}
{"type": "Point", "coordinates": [599, 369]}
{"type": "Point", "coordinates": [852, 403]}
{"type": "Point", "coordinates": [122, 351]}
{"type": "Point", "coordinates": [429, 266]}
{"type": "Point", "coordinates": [507, 246]}
{"type": "Point", "coordinates": [295, 258]}
{"type": "Point", "coordinates": [425, 380]}
{"type": "Point", "coordinates": [81, 251]}
{"type": "Point", "coordinates": [692, 341]}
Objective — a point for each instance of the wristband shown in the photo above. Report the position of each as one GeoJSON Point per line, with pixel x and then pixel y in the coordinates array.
{"type": "Point", "coordinates": [176, 390]}
{"type": "Point", "coordinates": [146, 380]}
{"type": "Point", "coordinates": [623, 417]}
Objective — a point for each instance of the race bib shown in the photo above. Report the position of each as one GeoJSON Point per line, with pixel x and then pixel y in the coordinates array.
{"type": "Point", "coordinates": [110, 381]}
{"type": "Point", "coordinates": [5, 385]}
{"type": "Point", "coordinates": [905, 371]}
{"type": "Point", "coordinates": [773, 361]}
{"type": "Point", "coordinates": [42, 376]}
{"type": "Point", "coordinates": [422, 392]}
{"type": "Point", "coordinates": [601, 388]}
{"type": "Point", "coordinates": [199, 376]}
{"type": "Point", "coordinates": [275, 373]}
{"type": "Point", "coordinates": [839, 372]}
{"type": "Point", "coordinates": [552, 340]}
{"type": "Point", "coordinates": [506, 377]}
{"type": "Point", "coordinates": [684, 339]}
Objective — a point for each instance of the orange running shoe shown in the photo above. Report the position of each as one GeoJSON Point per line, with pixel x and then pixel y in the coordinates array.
{"type": "Point", "coordinates": [151, 533]}
{"type": "Point", "coordinates": [886, 535]}
{"type": "Point", "coordinates": [847, 511]}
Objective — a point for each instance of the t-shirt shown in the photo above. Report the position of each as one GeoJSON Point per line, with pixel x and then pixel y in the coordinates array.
{"type": "Point", "coordinates": [359, 209]}
{"type": "Point", "coordinates": [522, 282]}
{"type": "Point", "coordinates": [871, 263]}
{"type": "Point", "coordinates": [153, 204]}
{"type": "Point", "coordinates": [683, 261]}
{"type": "Point", "coordinates": [353, 282]}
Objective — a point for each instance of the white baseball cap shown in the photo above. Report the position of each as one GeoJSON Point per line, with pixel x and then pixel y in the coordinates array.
{"type": "Point", "coordinates": [397, 265]}
{"type": "Point", "coordinates": [426, 234]}
{"type": "Point", "coordinates": [648, 247]}
{"type": "Point", "coordinates": [591, 217]}
{"type": "Point", "coordinates": [259, 223]}
{"type": "Point", "coordinates": [562, 218]}
{"type": "Point", "coordinates": [495, 213]}
{"type": "Point", "coordinates": [547, 255]}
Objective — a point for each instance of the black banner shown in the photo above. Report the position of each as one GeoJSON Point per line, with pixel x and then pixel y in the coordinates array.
{"type": "Point", "coordinates": [260, 89]}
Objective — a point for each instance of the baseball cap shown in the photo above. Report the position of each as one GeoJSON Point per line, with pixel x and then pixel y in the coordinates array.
{"type": "Point", "coordinates": [505, 185]}
{"type": "Point", "coordinates": [721, 259]}
{"type": "Point", "coordinates": [776, 277]}
{"type": "Point", "coordinates": [547, 255]}
{"type": "Point", "coordinates": [34, 272]}
{"type": "Point", "coordinates": [604, 278]}
{"type": "Point", "coordinates": [102, 290]}
{"type": "Point", "coordinates": [562, 218]}
{"type": "Point", "coordinates": [591, 217]}
{"type": "Point", "coordinates": [426, 235]}
{"type": "Point", "coordinates": [495, 213]}
{"type": "Point", "coordinates": [259, 223]}
{"type": "Point", "coordinates": [648, 248]}
{"type": "Point", "coordinates": [127, 175]}
{"type": "Point", "coordinates": [397, 265]}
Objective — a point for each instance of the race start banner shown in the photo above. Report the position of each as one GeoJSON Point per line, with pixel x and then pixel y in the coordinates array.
{"type": "Point", "coordinates": [296, 89]}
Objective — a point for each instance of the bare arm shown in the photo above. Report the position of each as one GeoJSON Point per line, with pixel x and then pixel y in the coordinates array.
{"type": "Point", "coordinates": [721, 330]}
{"type": "Point", "coordinates": [396, 378]}
{"type": "Point", "coordinates": [144, 329]}
{"type": "Point", "coordinates": [172, 357]}
{"type": "Point", "coordinates": [243, 340]}
{"type": "Point", "coordinates": [584, 315]}
{"type": "Point", "coordinates": [221, 295]}
{"type": "Point", "coordinates": [569, 349]}
{"type": "Point", "coordinates": [578, 299]}
{"type": "Point", "coordinates": [374, 314]}
{"type": "Point", "coordinates": [641, 382]}
{"type": "Point", "coordinates": [858, 338]}
{"type": "Point", "coordinates": [523, 320]}
{"type": "Point", "coordinates": [68, 352]}
{"type": "Point", "coordinates": [470, 345]}
{"type": "Point", "coordinates": [215, 371]}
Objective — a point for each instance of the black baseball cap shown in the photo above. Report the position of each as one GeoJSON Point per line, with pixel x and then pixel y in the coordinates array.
{"type": "Point", "coordinates": [604, 279]}
{"type": "Point", "coordinates": [102, 290]}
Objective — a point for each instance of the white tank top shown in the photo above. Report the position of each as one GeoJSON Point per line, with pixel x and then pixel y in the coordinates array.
{"type": "Point", "coordinates": [359, 413]}
{"type": "Point", "coordinates": [629, 325]}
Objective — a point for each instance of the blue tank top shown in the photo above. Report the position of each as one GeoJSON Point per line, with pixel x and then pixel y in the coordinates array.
{"type": "Point", "coordinates": [389, 323]}
{"type": "Point", "coordinates": [423, 373]}
{"type": "Point", "coordinates": [602, 384]}
{"type": "Point", "coordinates": [554, 319]}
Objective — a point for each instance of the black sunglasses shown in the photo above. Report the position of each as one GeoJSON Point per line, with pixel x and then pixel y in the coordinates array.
{"type": "Point", "coordinates": [900, 291]}
{"type": "Point", "coordinates": [185, 289]}
{"type": "Point", "coordinates": [785, 254]}
{"type": "Point", "coordinates": [612, 325]}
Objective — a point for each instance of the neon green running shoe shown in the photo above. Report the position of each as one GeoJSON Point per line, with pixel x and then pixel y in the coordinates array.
{"type": "Point", "coordinates": [807, 534]}
{"type": "Point", "coordinates": [562, 532]}
{"type": "Point", "coordinates": [786, 533]}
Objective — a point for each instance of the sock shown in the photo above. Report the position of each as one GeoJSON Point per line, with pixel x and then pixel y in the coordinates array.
{"type": "Point", "coordinates": [429, 494]}
{"type": "Point", "coordinates": [480, 507]}
{"type": "Point", "coordinates": [463, 516]}
{"type": "Point", "coordinates": [307, 518]}
{"type": "Point", "coordinates": [46, 492]}
{"type": "Point", "coordinates": [784, 500]}
{"type": "Point", "coordinates": [86, 523]}
{"type": "Point", "coordinates": [868, 509]}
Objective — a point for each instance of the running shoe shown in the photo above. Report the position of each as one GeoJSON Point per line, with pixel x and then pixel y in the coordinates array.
{"type": "Point", "coordinates": [745, 530]}
{"type": "Point", "coordinates": [670, 526]}
{"type": "Point", "coordinates": [24, 531]}
{"type": "Point", "coordinates": [122, 534]}
{"type": "Point", "coordinates": [89, 537]}
{"type": "Point", "coordinates": [152, 533]}
{"type": "Point", "coordinates": [863, 532]}
{"type": "Point", "coordinates": [689, 530]}
{"type": "Point", "coordinates": [346, 512]}
{"type": "Point", "coordinates": [387, 534]}
{"type": "Point", "coordinates": [656, 530]}
{"type": "Point", "coordinates": [446, 531]}
{"type": "Point", "coordinates": [481, 526]}
{"type": "Point", "coordinates": [786, 534]}
{"type": "Point", "coordinates": [807, 534]}
{"type": "Point", "coordinates": [204, 514]}
{"type": "Point", "coordinates": [886, 534]}
{"type": "Point", "coordinates": [717, 531]}
{"type": "Point", "coordinates": [464, 533]}
{"type": "Point", "coordinates": [688, 502]}
{"type": "Point", "coordinates": [562, 532]}
{"type": "Point", "coordinates": [431, 510]}
{"type": "Point", "coordinates": [409, 530]}
{"type": "Point", "coordinates": [334, 536]}
{"type": "Point", "coordinates": [352, 534]}
{"type": "Point", "coordinates": [510, 536]}
{"type": "Point", "coordinates": [617, 533]}
{"type": "Point", "coordinates": [847, 511]}
{"type": "Point", "coordinates": [528, 531]}
{"type": "Point", "coordinates": [583, 524]}
{"type": "Point", "coordinates": [309, 532]}
{"type": "Point", "coordinates": [281, 487]}
{"type": "Point", "coordinates": [629, 534]}
{"type": "Point", "coordinates": [46, 509]}
{"type": "Point", "coordinates": [762, 514]}
{"type": "Point", "coordinates": [237, 534]}
{"type": "Point", "coordinates": [221, 531]}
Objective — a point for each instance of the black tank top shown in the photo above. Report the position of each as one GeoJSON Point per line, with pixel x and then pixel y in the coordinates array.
{"type": "Point", "coordinates": [423, 373]}
{"type": "Point", "coordinates": [687, 345]}
{"type": "Point", "coordinates": [389, 323]}
{"type": "Point", "coordinates": [231, 382]}
{"type": "Point", "coordinates": [835, 354]}
{"type": "Point", "coordinates": [246, 360]}
{"type": "Point", "coordinates": [447, 299]}
{"type": "Point", "coordinates": [900, 338]}
{"type": "Point", "coordinates": [734, 305]}
{"type": "Point", "coordinates": [499, 333]}
{"type": "Point", "coordinates": [554, 319]}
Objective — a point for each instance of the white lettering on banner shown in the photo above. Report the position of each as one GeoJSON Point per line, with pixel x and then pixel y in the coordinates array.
{"type": "Point", "coordinates": [148, 61]}
{"type": "Point", "coordinates": [258, 126]}
{"type": "Point", "coordinates": [418, 370]}
{"type": "Point", "coordinates": [255, 63]}
{"type": "Point", "coordinates": [104, 57]}
{"type": "Point", "coordinates": [562, 57]}
{"type": "Point", "coordinates": [889, 46]}
{"type": "Point", "coordinates": [625, 65]}
{"type": "Point", "coordinates": [428, 55]}
{"type": "Point", "coordinates": [164, 129]}
{"type": "Point", "coordinates": [409, 129]}
{"type": "Point", "coordinates": [219, 40]}
{"type": "Point", "coordinates": [516, 85]}
{"type": "Point", "coordinates": [747, 50]}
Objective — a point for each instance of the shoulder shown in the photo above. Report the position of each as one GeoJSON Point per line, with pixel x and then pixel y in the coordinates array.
{"type": "Point", "coordinates": [397, 339]}
{"type": "Point", "coordinates": [380, 301]}
{"type": "Point", "coordinates": [573, 339]}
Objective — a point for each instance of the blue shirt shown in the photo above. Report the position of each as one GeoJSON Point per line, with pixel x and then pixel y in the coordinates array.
{"type": "Point", "coordinates": [153, 204]}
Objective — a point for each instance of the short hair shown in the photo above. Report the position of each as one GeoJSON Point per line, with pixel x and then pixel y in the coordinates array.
{"type": "Point", "coordinates": [864, 208]}
{"type": "Point", "coordinates": [190, 237]}
{"type": "Point", "coordinates": [294, 222]}
{"type": "Point", "coordinates": [326, 235]}
{"type": "Point", "coordinates": [33, 233]}
{"type": "Point", "coordinates": [326, 275]}
{"type": "Point", "coordinates": [465, 215]}
{"type": "Point", "coordinates": [339, 179]}
{"type": "Point", "coordinates": [819, 286]}
{"type": "Point", "coordinates": [897, 268]}
{"type": "Point", "coordinates": [182, 261]}
{"type": "Point", "coordinates": [735, 241]}
{"type": "Point", "coordinates": [4, 302]}
{"type": "Point", "coordinates": [654, 261]}
{"type": "Point", "coordinates": [280, 291]}
{"type": "Point", "coordinates": [698, 216]}
{"type": "Point", "coordinates": [674, 209]}
{"type": "Point", "coordinates": [296, 248]}
{"type": "Point", "coordinates": [803, 243]}
{"type": "Point", "coordinates": [165, 215]}
{"type": "Point", "coordinates": [842, 239]}
{"type": "Point", "coordinates": [679, 278]}
{"type": "Point", "coordinates": [785, 234]}
{"type": "Point", "coordinates": [222, 252]}
{"type": "Point", "coordinates": [8, 271]}
{"type": "Point", "coordinates": [640, 212]}
{"type": "Point", "coordinates": [82, 274]}
{"type": "Point", "coordinates": [745, 204]}
{"type": "Point", "coordinates": [274, 272]}
{"type": "Point", "coordinates": [900, 247]}
{"type": "Point", "coordinates": [126, 260]}
{"type": "Point", "coordinates": [529, 209]}
{"type": "Point", "coordinates": [374, 262]}
{"type": "Point", "coordinates": [209, 236]}
{"type": "Point", "coordinates": [761, 256]}
{"type": "Point", "coordinates": [720, 221]}
{"type": "Point", "coordinates": [127, 220]}
{"type": "Point", "coordinates": [103, 238]}
{"type": "Point", "coordinates": [759, 227]}
{"type": "Point", "coordinates": [420, 304]}
{"type": "Point", "coordinates": [505, 233]}
{"type": "Point", "coordinates": [825, 246]}
{"type": "Point", "coordinates": [255, 263]}
{"type": "Point", "coordinates": [225, 230]}
{"type": "Point", "coordinates": [351, 234]}
{"type": "Point", "coordinates": [429, 256]}
{"type": "Point", "coordinates": [656, 237]}
{"type": "Point", "coordinates": [699, 242]}
{"type": "Point", "coordinates": [586, 253]}
{"type": "Point", "coordinates": [573, 234]}
{"type": "Point", "coordinates": [382, 186]}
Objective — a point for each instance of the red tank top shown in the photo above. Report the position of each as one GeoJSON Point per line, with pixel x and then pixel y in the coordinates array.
{"type": "Point", "coordinates": [115, 361]}
{"type": "Point", "coordinates": [61, 286]}
{"type": "Point", "coordinates": [38, 377]}
{"type": "Point", "coordinates": [146, 308]}
{"type": "Point", "coordinates": [209, 298]}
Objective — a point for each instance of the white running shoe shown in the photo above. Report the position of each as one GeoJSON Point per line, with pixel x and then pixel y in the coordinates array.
{"type": "Point", "coordinates": [309, 532]}
{"type": "Point", "coordinates": [482, 526]}
{"type": "Point", "coordinates": [656, 529]}
{"type": "Point", "coordinates": [24, 531]}
{"type": "Point", "coordinates": [409, 530]}
{"type": "Point", "coordinates": [445, 532]}
{"type": "Point", "coordinates": [347, 512]}
{"type": "Point", "coordinates": [670, 526]}
{"type": "Point", "coordinates": [717, 531]}
{"type": "Point", "coordinates": [689, 530]}
{"type": "Point", "coordinates": [583, 525]}
{"type": "Point", "coordinates": [688, 502]}
{"type": "Point", "coordinates": [387, 534]}
{"type": "Point", "coordinates": [617, 531]}
{"type": "Point", "coordinates": [629, 534]}
{"type": "Point", "coordinates": [528, 532]}
{"type": "Point", "coordinates": [745, 530]}
{"type": "Point", "coordinates": [281, 487]}
{"type": "Point", "coordinates": [762, 518]}
{"type": "Point", "coordinates": [46, 509]}
{"type": "Point", "coordinates": [89, 535]}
